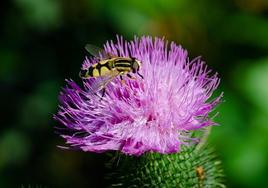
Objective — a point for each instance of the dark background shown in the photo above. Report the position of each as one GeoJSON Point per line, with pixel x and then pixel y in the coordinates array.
{"type": "Point", "coordinates": [42, 43]}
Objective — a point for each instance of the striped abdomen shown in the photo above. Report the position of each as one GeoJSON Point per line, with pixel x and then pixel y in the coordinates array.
{"type": "Point", "coordinates": [123, 65]}
{"type": "Point", "coordinates": [102, 68]}
{"type": "Point", "coordinates": [108, 67]}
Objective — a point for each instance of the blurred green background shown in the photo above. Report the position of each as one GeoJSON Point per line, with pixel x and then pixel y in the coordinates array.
{"type": "Point", "coordinates": [42, 43]}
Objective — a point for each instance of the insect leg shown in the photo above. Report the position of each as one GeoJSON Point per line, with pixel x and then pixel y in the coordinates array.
{"type": "Point", "coordinates": [103, 93]}
{"type": "Point", "coordinates": [121, 78]}
{"type": "Point", "coordinates": [131, 77]}
{"type": "Point", "coordinates": [140, 75]}
{"type": "Point", "coordinates": [99, 87]}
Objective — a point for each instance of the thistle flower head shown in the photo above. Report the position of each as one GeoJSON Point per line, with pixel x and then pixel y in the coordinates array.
{"type": "Point", "coordinates": [149, 114]}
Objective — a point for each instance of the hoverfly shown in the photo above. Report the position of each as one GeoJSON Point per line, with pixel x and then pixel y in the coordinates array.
{"type": "Point", "coordinates": [109, 67]}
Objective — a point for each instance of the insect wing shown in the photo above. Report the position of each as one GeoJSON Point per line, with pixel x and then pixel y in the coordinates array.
{"type": "Point", "coordinates": [97, 52]}
{"type": "Point", "coordinates": [101, 84]}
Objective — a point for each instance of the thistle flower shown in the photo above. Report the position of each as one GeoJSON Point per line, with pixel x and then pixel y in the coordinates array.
{"type": "Point", "coordinates": [153, 114]}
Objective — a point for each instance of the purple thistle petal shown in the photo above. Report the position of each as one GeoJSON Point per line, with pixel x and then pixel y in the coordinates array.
{"type": "Point", "coordinates": [143, 115]}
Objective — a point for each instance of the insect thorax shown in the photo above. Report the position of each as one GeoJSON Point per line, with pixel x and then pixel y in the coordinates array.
{"type": "Point", "coordinates": [123, 64]}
